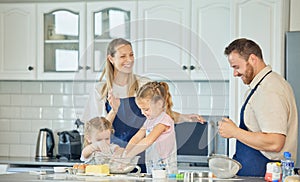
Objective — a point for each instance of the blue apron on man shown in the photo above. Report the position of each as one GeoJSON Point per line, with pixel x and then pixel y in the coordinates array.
{"type": "Point", "coordinates": [252, 160]}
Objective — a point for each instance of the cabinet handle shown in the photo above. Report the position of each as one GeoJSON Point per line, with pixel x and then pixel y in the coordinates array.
{"type": "Point", "coordinates": [80, 67]}
{"type": "Point", "coordinates": [192, 67]}
{"type": "Point", "coordinates": [87, 67]}
{"type": "Point", "coordinates": [30, 68]}
{"type": "Point", "coordinates": [184, 67]}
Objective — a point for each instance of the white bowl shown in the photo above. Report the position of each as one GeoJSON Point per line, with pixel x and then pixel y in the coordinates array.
{"type": "Point", "coordinates": [60, 169]}
{"type": "Point", "coordinates": [223, 167]}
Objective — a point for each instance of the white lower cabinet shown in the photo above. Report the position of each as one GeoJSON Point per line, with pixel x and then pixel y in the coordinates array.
{"type": "Point", "coordinates": [17, 41]}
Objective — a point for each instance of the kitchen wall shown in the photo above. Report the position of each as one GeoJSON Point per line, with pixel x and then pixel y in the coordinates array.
{"type": "Point", "coordinates": [295, 15]}
{"type": "Point", "coordinates": [27, 106]}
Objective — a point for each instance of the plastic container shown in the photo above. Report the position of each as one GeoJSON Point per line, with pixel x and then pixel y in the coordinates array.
{"type": "Point", "coordinates": [287, 165]}
{"type": "Point", "coordinates": [273, 172]}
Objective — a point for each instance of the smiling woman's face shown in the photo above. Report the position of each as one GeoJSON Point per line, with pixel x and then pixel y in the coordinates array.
{"type": "Point", "coordinates": [124, 59]}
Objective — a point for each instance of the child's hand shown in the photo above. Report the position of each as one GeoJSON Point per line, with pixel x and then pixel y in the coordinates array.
{"type": "Point", "coordinates": [103, 147]}
{"type": "Point", "coordinates": [118, 153]}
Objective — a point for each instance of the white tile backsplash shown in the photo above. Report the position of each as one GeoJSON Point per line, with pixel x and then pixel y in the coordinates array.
{"type": "Point", "coordinates": [31, 112]}
{"type": "Point", "coordinates": [42, 100]}
{"type": "Point", "coordinates": [28, 138]}
{"type": "Point", "coordinates": [31, 87]}
{"type": "Point", "coordinates": [20, 125]}
{"type": "Point", "coordinates": [53, 87]}
{"type": "Point", "coordinates": [9, 137]}
{"type": "Point", "coordinates": [20, 100]}
{"type": "Point", "coordinates": [52, 113]}
{"type": "Point", "coordinates": [74, 88]}
{"type": "Point", "coordinates": [5, 99]}
{"type": "Point", "coordinates": [63, 100]}
{"type": "Point", "coordinates": [5, 125]}
{"type": "Point", "coordinates": [28, 106]}
{"type": "Point", "coordinates": [20, 150]}
{"type": "Point", "coordinates": [36, 125]}
{"type": "Point", "coordinates": [4, 149]}
{"type": "Point", "coordinates": [10, 87]}
{"type": "Point", "coordinates": [10, 112]}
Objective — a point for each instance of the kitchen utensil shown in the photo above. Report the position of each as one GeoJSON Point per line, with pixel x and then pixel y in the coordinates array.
{"type": "Point", "coordinates": [45, 144]}
{"type": "Point", "coordinates": [60, 169]}
{"type": "Point", "coordinates": [223, 167]}
{"type": "Point", "coordinates": [69, 145]}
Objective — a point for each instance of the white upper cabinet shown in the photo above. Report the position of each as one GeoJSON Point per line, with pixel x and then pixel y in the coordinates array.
{"type": "Point", "coordinates": [265, 22]}
{"type": "Point", "coordinates": [17, 41]}
{"type": "Point", "coordinates": [183, 40]}
{"type": "Point", "coordinates": [106, 21]}
{"type": "Point", "coordinates": [61, 41]}
{"type": "Point", "coordinates": [164, 39]}
{"type": "Point", "coordinates": [209, 36]}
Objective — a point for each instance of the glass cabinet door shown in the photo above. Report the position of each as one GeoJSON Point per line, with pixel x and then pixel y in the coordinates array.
{"type": "Point", "coordinates": [61, 41]}
{"type": "Point", "coordinates": [108, 24]}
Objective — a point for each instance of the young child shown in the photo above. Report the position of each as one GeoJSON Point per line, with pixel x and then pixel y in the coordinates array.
{"type": "Point", "coordinates": [97, 140]}
{"type": "Point", "coordinates": [157, 135]}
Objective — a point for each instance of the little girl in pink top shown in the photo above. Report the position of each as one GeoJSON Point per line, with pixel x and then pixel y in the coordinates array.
{"type": "Point", "coordinates": [157, 135]}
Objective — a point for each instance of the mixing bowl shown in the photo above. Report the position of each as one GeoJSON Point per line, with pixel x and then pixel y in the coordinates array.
{"type": "Point", "coordinates": [116, 165]}
{"type": "Point", "coordinates": [223, 167]}
{"type": "Point", "coordinates": [124, 165]}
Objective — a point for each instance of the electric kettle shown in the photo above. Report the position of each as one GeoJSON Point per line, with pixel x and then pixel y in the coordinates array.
{"type": "Point", "coordinates": [44, 144]}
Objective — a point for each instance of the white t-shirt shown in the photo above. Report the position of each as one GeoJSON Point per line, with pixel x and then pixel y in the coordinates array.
{"type": "Point", "coordinates": [272, 109]}
{"type": "Point", "coordinates": [95, 106]}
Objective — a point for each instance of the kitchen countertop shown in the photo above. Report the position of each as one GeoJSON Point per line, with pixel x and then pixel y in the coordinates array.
{"type": "Point", "coordinates": [33, 162]}
{"type": "Point", "coordinates": [49, 177]}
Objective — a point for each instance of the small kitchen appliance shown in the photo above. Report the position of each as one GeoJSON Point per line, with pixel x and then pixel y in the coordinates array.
{"type": "Point", "coordinates": [44, 144]}
{"type": "Point", "coordinates": [69, 145]}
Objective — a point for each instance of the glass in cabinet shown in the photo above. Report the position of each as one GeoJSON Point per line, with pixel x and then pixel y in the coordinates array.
{"type": "Point", "coordinates": [108, 24]}
{"type": "Point", "coordinates": [106, 21]}
{"type": "Point", "coordinates": [62, 41]}
{"type": "Point", "coordinates": [61, 32]}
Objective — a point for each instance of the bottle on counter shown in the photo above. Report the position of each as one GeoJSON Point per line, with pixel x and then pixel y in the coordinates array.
{"type": "Point", "coordinates": [287, 165]}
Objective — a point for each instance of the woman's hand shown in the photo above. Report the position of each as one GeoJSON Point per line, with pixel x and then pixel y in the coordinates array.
{"type": "Point", "coordinates": [192, 118]}
{"type": "Point", "coordinates": [114, 101]}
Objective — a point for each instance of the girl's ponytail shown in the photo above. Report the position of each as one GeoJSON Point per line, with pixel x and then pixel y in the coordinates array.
{"type": "Point", "coordinates": [168, 99]}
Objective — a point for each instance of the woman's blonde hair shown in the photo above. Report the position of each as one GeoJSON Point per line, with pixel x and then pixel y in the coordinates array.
{"type": "Point", "coordinates": [109, 68]}
{"type": "Point", "coordinates": [97, 124]}
{"type": "Point", "coordinates": [157, 91]}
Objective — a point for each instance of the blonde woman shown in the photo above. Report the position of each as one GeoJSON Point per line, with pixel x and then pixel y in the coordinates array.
{"type": "Point", "coordinates": [114, 97]}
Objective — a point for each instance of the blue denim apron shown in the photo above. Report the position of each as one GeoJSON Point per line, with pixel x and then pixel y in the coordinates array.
{"type": "Point", "coordinates": [128, 121]}
{"type": "Point", "coordinates": [252, 160]}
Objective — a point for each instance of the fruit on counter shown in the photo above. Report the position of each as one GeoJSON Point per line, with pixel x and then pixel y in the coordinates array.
{"type": "Point", "coordinates": [97, 169]}
{"type": "Point", "coordinates": [79, 168]}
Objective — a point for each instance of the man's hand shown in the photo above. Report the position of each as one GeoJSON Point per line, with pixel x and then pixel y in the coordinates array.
{"type": "Point", "coordinates": [227, 128]}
